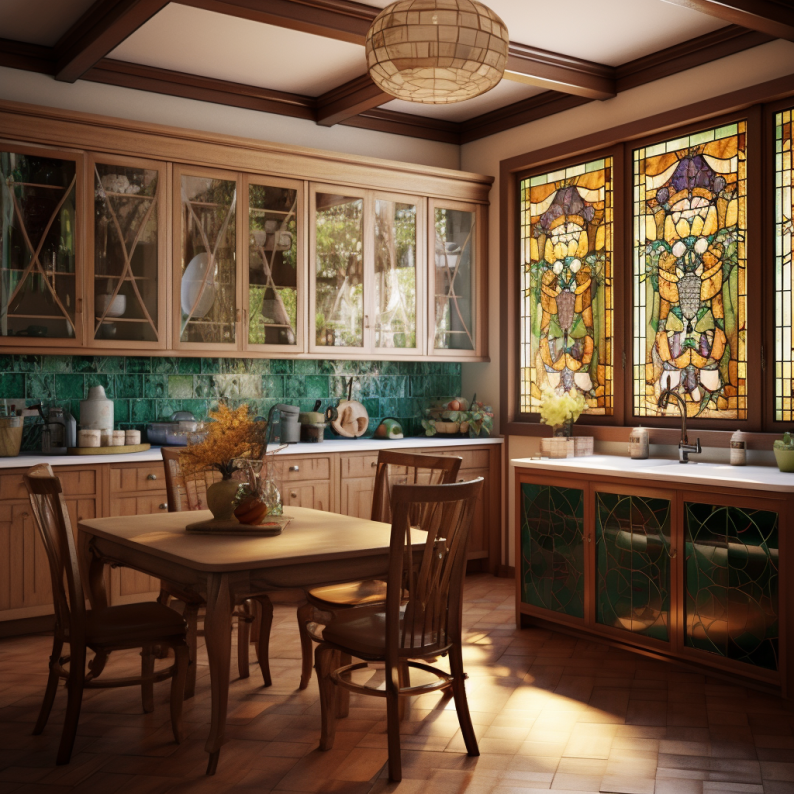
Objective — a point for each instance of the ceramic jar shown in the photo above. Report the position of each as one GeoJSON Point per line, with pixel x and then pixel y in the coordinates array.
{"type": "Point", "coordinates": [86, 437]}
{"type": "Point", "coordinates": [639, 444]}
{"type": "Point", "coordinates": [220, 499]}
{"type": "Point", "coordinates": [96, 413]}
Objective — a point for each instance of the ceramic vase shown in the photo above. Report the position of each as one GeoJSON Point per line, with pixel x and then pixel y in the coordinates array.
{"type": "Point", "coordinates": [220, 499]}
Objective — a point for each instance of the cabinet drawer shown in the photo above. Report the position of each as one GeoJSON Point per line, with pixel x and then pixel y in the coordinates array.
{"type": "Point", "coordinates": [297, 469]}
{"type": "Point", "coordinates": [359, 465]}
{"type": "Point", "coordinates": [139, 505]}
{"type": "Point", "coordinates": [315, 495]}
{"type": "Point", "coordinates": [145, 477]}
{"type": "Point", "coordinates": [74, 483]}
{"type": "Point", "coordinates": [472, 458]}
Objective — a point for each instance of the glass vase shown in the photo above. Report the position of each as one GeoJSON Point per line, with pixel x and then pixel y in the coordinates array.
{"type": "Point", "coordinates": [565, 430]}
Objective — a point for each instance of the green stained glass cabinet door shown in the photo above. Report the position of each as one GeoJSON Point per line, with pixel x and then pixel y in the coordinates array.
{"type": "Point", "coordinates": [552, 548]}
{"type": "Point", "coordinates": [732, 583]}
{"type": "Point", "coordinates": [633, 563]}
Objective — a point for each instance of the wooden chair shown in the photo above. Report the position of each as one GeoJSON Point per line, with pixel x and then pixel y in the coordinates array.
{"type": "Point", "coordinates": [189, 493]}
{"type": "Point", "coordinates": [393, 468]}
{"type": "Point", "coordinates": [103, 629]}
{"type": "Point", "coordinates": [421, 618]}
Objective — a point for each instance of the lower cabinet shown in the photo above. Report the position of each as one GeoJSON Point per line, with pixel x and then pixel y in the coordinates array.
{"type": "Point", "coordinates": [660, 569]}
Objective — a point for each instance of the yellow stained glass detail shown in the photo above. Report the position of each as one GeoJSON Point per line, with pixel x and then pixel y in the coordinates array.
{"type": "Point", "coordinates": [784, 244]}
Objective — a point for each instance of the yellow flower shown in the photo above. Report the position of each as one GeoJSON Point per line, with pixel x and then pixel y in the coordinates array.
{"type": "Point", "coordinates": [557, 407]}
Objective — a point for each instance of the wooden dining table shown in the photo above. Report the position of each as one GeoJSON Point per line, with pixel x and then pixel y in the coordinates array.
{"type": "Point", "coordinates": [315, 548]}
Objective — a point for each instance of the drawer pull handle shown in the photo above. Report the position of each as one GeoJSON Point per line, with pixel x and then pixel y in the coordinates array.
{"type": "Point", "coordinates": [374, 464]}
{"type": "Point", "coordinates": [163, 506]}
{"type": "Point", "coordinates": [151, 476]}
{"type": "Point", "coordinates": [293, 494]}
{"type": "Point", "coordinates": [295, 468]}
{"type": "Point", "coordinates": [673, 554]}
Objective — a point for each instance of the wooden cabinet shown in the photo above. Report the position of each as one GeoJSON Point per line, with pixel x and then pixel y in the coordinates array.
{"type": "Point", "coordinates": [316, 495]}
{"type": "Point", "coordinates": [669, 570]}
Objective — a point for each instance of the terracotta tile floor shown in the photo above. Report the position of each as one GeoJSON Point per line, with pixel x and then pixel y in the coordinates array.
{"type": "Point", "coordinates": [551, 712]}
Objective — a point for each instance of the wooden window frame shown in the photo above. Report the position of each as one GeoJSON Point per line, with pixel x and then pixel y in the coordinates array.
{"type": "Point", "coordinates": [757, 105]}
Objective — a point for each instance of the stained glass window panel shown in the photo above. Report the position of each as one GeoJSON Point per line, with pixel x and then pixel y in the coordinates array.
{"type": "Point", "coordinates": [690, 295]}
{"type": "Point", "coordinates": [566, 285]}
{"type": "Point", "coordinates": [784, 242]}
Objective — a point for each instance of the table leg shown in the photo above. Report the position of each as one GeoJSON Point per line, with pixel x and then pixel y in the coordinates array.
{"type": "Point", "coordinates": [92, 569]}
{"type": "Point", "coordinates": [218, 636]}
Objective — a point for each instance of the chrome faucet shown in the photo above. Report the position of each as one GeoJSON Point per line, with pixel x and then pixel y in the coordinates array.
{"type": "Point", "coordinates": [684, 447]}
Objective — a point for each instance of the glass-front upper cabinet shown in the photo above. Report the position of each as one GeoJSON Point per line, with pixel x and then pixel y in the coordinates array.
{"type": "Point", "coordinates": [457, 284]}
{"type": "Point", "coordinates": [274, 270]}
{"type": "Point", "coordinates": [207, 290]}
{"type": "Point", "coordinates": [128, 252]}
{"type": "Point", "coordinates": [338, 280]}
{"type": "Point", "coordinates": [397, 285]}
{"type": "Point", "coordinates": [366, 271]}
{"type": "Point", "coordinates": [40, 278]}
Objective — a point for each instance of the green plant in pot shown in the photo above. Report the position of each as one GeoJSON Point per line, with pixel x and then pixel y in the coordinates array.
{"type": "Point", "coordinates": [233, 438]}
{"type": "Point", "coordinates": [784, 453]}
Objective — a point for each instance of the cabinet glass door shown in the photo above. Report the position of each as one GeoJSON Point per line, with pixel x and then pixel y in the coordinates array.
{"type": "Point", "coordinates": [633, 563]}
{"type": "Point", "coordinates": [453, 271]}
{"type": "Point", "coordinates": [732, 604]}
{"type": "Point", "coordinates": [395, 278]}
{"type": "Point", "coordinates": [39, 289]}
{"type": "Point", "coordinates": [274, 275]}
{"type": "Point", "coordinates": [128, 251]}
{"type": "Point", "coordinates": [552, 548]}
{"type": "Point", "coordinates": [338, 269]}
{"type": "Point", "coordinates": [207, 287]}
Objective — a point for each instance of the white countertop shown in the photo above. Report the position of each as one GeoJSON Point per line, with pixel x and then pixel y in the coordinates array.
{"type": "Point", "coordinates": [332, 445]}
{"type": "Point", "coordinates": [666, 472]}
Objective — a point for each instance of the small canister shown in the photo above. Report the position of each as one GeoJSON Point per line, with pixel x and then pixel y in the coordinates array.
{"type": "Point", "coordinates": [118, 438]}
{"type": "Point", "coordinates": [738, 449]}
{"type": "Point", "coordinates": [87, 437]}
{"type": "Point", "coordinates": [639, 444]}
{"type": "Point", "coordinates": [106, 438]}
{"type": "Point", "coordinates": [132, 437]}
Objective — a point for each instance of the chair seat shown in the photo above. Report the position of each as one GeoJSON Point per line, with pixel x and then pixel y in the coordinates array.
{"type": "Point", "coordinates": [363, 633]}
{"type": "Point", "coordinates": [129, 624]}
{"type": "Point", "coordinates": [350, 594]}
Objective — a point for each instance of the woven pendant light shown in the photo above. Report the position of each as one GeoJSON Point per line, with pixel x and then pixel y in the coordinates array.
{"type": "Point", "coordinates": [437, 51]}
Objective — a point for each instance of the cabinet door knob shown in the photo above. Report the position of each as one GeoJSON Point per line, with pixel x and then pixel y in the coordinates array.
{"type": "Point", "coordinates": [673, 554]}
{"type": "Point", "coordinates": [293, 494]}
{"type": "Point", "coordinates": [163, 506]}
{"type": "Point", "coordinates": [374, 464]}
{"type": "Point", "coordinates": [151, 476]}
{"type": "Point", "coordinates": [295, 468]}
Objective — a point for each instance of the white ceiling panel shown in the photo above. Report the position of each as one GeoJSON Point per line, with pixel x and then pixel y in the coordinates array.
{"type": "Point", "coordinates": [503, 94]}
{"type": "Point", "coordinates": [605, 31]}
{"type": "Point", "coordinates": [39, 21]}
{"type": "Point", "coordinates": [227, 48]}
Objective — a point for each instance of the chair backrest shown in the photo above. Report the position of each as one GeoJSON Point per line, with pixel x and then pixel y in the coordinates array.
{"type": "Point", "coordinates": [424, 600]}
{"type": "Point", "coordinates": [55, 529]}
{"type": "Point", "coordinates": [185, 492]}
{"type": "Point", "coordinates": [408, 468]}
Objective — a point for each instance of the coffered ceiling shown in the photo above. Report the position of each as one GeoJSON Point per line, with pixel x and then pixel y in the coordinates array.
{"type": "Point", "coordinates": [305, 58]}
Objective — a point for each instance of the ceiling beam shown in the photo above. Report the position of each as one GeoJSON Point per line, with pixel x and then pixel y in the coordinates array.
{"type": "Point", "coordinates": [773, 17]}
{"type": "Point", "coordinates": [99, 31]}
{"type": "Point", "coordinates": [342, 20]}
{"type": "Point", "coordinates": [348, 100]}
{"type": "Point", "coordinates": [558, 72]}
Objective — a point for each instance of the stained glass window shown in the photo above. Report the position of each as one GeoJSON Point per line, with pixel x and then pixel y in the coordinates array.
{"type": "Point", "coordinates": [566, 285]}
{"type": "Point", "coordinates": [690, 273]}
{"type": "Point", "coordinates": [784, 242]}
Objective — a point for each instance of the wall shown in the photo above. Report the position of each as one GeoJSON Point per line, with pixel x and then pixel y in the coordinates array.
{"type": "Point", "coordinates": [145, 389]}
{"type": "Point", "coordinates": [126, 103]}
{"type": "Point", "coordinates": [766, 62]}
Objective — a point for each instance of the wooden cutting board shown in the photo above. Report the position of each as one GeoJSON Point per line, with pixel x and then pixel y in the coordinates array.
{"type": "Point", "coordinates": [352, 420]}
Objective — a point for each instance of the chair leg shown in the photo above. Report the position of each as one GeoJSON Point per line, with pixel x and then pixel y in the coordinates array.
{"type": "Point", "coordinates": [326, 661]}
{"type": "Point", "coordinates": [461, 703]}
{"type": "Point", "coordinates": [265, 610]}
{"type": "Point", "coordinates": [191, 617]}
{"type": "Point", "coordinates": [244, 619]}
{"type": "Point", "coordinates": [147, 671]}
{"type": "Point", "coordinates": [52, 687]}
{"type": "Point", "coordinates": [342, 694]}
{"type": "Point", "coordinates": [74, 687]}
{"type": "Point", "coordinates": [97, 664]}
{"type": "Point", "coordinates": [178, 679]}
{"type": "Point", "coordinates": [393, 730]}
{"type": "Point", "coordinates": [404, 676]}
{"type": "Point", "coordinates": [304, 616]}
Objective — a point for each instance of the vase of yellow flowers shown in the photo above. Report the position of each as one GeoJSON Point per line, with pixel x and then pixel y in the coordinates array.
{"type": "Point", "coordinates": [232, 439]}
{"type": "Point", "coordinates": [560, 409]}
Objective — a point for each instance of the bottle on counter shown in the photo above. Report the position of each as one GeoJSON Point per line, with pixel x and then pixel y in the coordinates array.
{"type": "Point", "coordinates": [738, 449]}
{"type": "Point", "coordinates": [639, 444]}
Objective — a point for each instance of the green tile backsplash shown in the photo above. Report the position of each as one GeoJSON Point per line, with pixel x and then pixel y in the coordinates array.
{"type": "Point", "coordinates": [148, 388]}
